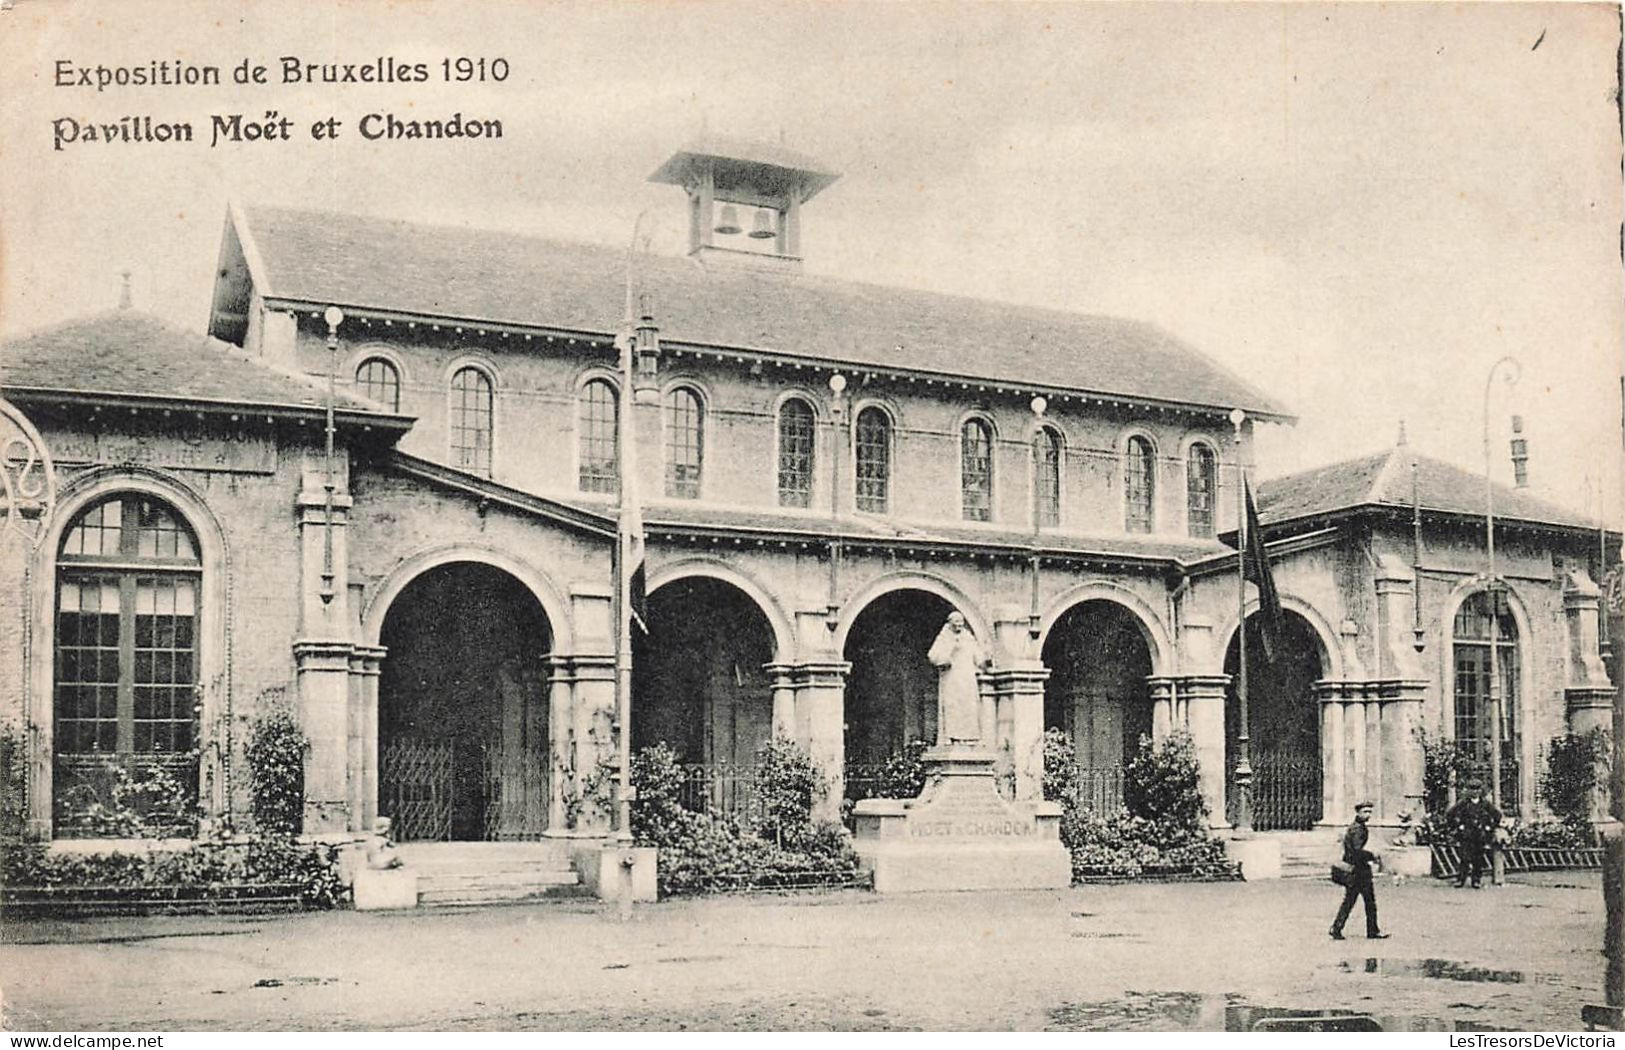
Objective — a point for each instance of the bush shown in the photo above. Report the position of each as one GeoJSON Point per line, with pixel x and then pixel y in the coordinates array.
{"type": "Point", "coordinates": [787, 783]}
{"type": "Point", "coordinates": [1574, 764]}
{"type": "Point", "coordinates": [13, 783]}
{"type": "Point", "coordinates": [705, 852]}
{"type": "Point", "coordinates": [145, 800]}
{"type": "Point", "coordinates": [313, 869]}
{"type": "Point", "coordinates": [276, 762]}
{"type": "Point", "coordinates": [1551, 834]}
{"type": "Point", "coordinates": [1060, 766]}
{"type": "Point", "coordinates": [903, 775]}
{"type": "Point", "coordinates": [1161, 783]}
{"type": "Point", "coordinates": [1163, 829]}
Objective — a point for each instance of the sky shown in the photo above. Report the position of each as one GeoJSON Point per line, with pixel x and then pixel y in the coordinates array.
{"type": "Point", "coordinates": [1358, 208]}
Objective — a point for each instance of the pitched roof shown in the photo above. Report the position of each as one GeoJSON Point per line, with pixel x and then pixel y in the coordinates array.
{"type": "Point", "coordinates": [306, 258]}
{"type": "Point", "coordinates": [1384, 480]}
{"type": "Point", "coordinates": [126, 355]}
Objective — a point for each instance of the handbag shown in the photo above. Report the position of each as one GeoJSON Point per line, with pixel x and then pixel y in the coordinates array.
{"type": "Point", "coordinates": [1342, 872]}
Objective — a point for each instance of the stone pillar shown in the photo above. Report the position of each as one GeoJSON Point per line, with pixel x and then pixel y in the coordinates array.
{"type": "Point", "coordinates": [1163, 690]}
{"type": "Point", "coordinates": [560, 743]}
{"type": "Point", "coordinates": [1401, 790]}
{"type": "Point", "coordinates": [1334, 802]}
{"type": "Point", "coordinates": [784, 699]}
{"type": "Point", "coordinates": [820, 706]}
{"type": "Point", "coordinates": [322, 651]}
{"type": "Point", "coordinates": [371, 660]}
{"type": "Point", "coordinates": [322, 672]}
{"type": "Point", "coordinates": [593, 744]}
{"type": "Point", "coordinates": [1354, 730]}
{"type": "Point", "coordinates": [1205, 699]}
{"type": "Point", "coordinates": [1019, 692]}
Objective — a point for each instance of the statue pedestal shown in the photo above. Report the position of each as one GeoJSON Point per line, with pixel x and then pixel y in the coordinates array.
{"type": "Point", "coordinates": [961, 834]}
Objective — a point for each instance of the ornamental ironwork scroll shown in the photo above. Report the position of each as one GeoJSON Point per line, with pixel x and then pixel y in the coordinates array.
{"type": "Point", "coordinates": [27, 478]}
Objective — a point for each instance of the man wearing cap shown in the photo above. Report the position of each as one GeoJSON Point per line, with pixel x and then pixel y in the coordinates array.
{"type": "Point", "coordinates": [1360, 882]}
{"type": "Point", "coordinates": [1472, 823]}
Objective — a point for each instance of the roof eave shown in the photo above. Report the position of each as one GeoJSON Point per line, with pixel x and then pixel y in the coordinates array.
{"type": "Point", "coordinates": [344, 416]}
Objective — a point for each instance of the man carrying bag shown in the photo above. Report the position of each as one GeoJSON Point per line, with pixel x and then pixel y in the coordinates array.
{"type": "Point", "coordinates": [1355, 874]}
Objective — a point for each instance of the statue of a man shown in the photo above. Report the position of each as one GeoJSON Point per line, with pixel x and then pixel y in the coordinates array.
{"type": "Point", "coordinates": [957, 656]}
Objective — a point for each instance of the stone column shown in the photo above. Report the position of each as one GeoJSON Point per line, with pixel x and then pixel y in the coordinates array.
{"type": "Point", "coordinates": [1163, 690]}
{"type": "Point", "coordinates": [1205, 699]}
{"type": "Point", "coordinates": [1354, 730]}
{"type": "Point", "coordinates": [820, 706]}
{"type": "Point", "coordinates": [1403, 761]}
{"type": "Point", "coordinates": [1393, 752]}
{"type": "Point", "coordinates": [784, 699]}
{"type": "Point", "coordinates": [1019, 695]}
{"type": "Point", "coordinates": [371, 660]}
{"type": "Point", "coordinates": [1334, 802]}
{"type": "Point", "coordinates": [560, 742]}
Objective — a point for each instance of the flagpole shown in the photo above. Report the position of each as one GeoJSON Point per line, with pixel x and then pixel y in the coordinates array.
{"type": "Point", "coordinates": [1244, 766]}
{"type": "Point", "coordinates": [623, 597]}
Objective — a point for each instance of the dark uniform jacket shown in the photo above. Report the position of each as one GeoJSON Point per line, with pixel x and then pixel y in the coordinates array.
{"type": "Point", "coordinates": [1473, 822]}
{"type": "Point", "coordinates": [1354, 851]}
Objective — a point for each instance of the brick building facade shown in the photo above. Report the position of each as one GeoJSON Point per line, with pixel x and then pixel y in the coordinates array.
{"type": "Point", "coordinates": [828, 469]}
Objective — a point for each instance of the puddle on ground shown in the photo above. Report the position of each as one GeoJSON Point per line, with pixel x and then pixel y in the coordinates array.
{"type": "Point", "coordinates": [1442, 970]}
{"type": "Point", "coordinates": [281, 982]}
{"type": "Point", "coordinates": [1196, 1012]}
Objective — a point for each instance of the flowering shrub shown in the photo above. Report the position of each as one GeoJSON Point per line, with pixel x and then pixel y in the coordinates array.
{"type": "Point", "coordinates": [1574, 763]}
{"type": "Point", "coordinates": [903, 775]}
{"type": "Point", "coordinates": [1551, 834]}
{"type": "Point", "coordinates": [706, 852]}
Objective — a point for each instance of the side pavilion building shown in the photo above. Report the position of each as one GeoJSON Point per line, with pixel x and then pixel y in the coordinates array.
{"type": "Point", "coordinates": [827, 470]}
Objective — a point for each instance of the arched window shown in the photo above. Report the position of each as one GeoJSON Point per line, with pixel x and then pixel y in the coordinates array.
{"type": "Point", "coordinates": [471, 420]}
{"type": "Point", "coordinates": [873, 460]}
{"type": "Point", "coordinates": [125, 682]}
{"type": "Point", "coordinates": [976, 470]}
{"type": "Point", "coordinates": [1474, 720]}
{"type": "Point", "coordinates": [1047, 476]}
{"type": "Point", "coordinates": [377, 380]}
{"type": "Point", "coordinates": [685, 443]}
{"type": "Point", "coordinates": [795, 453]}
{"type": "Point", "coordinates": [1201, 490]}
{"type": "Point", "coordinates": [1139, 484]}
{"type": "Point", "coordinates": [598, 434]}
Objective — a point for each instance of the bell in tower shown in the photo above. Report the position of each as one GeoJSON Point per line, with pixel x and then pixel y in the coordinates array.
{"type": "Point", "coordinates": [725, 179]}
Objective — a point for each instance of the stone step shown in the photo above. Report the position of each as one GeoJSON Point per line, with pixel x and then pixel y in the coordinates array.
{"type": "Point", "coordinates": [476, 879]}
{"type": "Point", "coordinates": [431, 897]}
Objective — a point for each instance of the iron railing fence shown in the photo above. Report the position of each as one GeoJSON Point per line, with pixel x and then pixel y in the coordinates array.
{"type": "Point", "coordinates": [1286, 792]}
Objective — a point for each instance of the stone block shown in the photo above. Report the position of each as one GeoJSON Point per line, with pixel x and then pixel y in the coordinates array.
{"type": "Point", "coordinates": [960, 834]}
{"type": "Point", "coordinates": [1414, 862]}
{"type": "Point", "coordinates": [1260, 857]}
{"type": "Point", "coordinates": [384, 890]}
{"type": "Point", "coordinates": [603, 870]}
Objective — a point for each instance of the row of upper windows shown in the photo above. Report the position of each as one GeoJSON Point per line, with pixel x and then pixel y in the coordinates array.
{"type": "Point", "coordinates": [470, 426]}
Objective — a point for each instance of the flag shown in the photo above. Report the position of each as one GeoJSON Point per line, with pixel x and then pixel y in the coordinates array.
{"type": "Point", "coordinates": [632, 563]}
{"type": "Point", "coordinates": [1256, 568]}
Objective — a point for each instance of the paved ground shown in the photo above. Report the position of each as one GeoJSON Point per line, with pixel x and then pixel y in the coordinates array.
{"type": "Point", "coordinates": [1124, 957]}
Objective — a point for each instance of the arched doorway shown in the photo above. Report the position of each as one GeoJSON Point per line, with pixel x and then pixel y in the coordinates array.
{"type": "Point", "coordinates": [1283, 723]}
{"type": "Point", "coordinates": [1472, 634]}
{"type": "Point", "coordinates": [1097, 693]}
{"type": "Point", "coordinates": [891, 691]}
{"type": "Point", "coordinates": [698, 684]}
{"type": "Point", "coordinates": [462, 707]}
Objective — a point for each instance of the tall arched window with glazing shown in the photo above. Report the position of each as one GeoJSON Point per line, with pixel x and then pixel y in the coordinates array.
{"type": "Point", "coordinates": [685, 442]}
{"type": "Point", "coordinates": [1047, 476]}
{"type": "Point", "coordinates": [1139, 484]}
{"type": "Point", "coordinates": [1201, 490]}
{"type": "Point", "coordinates": [976, 470]}
{"type": "Point", "coordinates": [873, 460]}
{"type": "Point", "coordinates": [598, 436]}
{"type": "Point", "coordinates": [377, 380]}
{"type": "Point", "coordinates": [796, 440]}
{"type": "Point", "coordinates": [471, 420]}
{"type": "Point", "coordinates": [125, 685]}
{"type": "Point", "coordinates": [1475, 722]}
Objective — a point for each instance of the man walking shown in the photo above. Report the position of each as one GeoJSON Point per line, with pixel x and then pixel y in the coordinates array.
{"type": "Point", "coordinates": [1472, 823]}
{"type": "Point", "coordinates": [1360, 882]}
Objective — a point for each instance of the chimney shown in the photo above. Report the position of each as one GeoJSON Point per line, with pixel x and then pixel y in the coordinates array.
{"type": "Point", "coordinates": [1520, 454]}
{"type": "Point", "coordinates": [124, 301]}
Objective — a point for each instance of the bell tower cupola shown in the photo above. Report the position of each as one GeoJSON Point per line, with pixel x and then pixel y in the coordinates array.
{"type": "Point", "coordinates": [744, 199]}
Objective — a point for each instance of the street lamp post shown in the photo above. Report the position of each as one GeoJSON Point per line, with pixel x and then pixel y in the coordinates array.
{"type": "Point", "coordinates": [1244, 763]}
{"type": "Point", "coordinates": [1039, 405]}
{"type": "Point", "coordinates": [1513, 372]}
